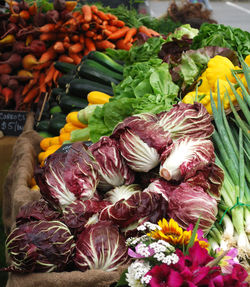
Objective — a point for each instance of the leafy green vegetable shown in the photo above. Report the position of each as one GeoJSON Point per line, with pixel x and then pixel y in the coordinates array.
{"type": "Point", "coordinates": [186, 30]}
{"type": "Point", "coordinates": [104, 119]}
{"type": "Point", "coordinates": [149, 91]}
{"type": "Point", "coordinates": [142, 53]}
{"type": "Point", "coordinates": [133, 19]}
{"type": "Point", "coordinates": [223, 36]}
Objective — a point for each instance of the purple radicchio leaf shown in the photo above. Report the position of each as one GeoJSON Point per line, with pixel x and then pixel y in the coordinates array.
{"type": "Point", "coordinates": [141, 140]}
{"type": "Point", "coordinates": [78, 214]}
{"type": "Point", "coordinates": [187, 120]}
{"type": "Point", "coordinates": [69, 176]}
{"type": "Point", "coordinates": [36, 210]}
{"type": "Point", "coordinates": [185, 156]}
{"type": "Point", "coordinates": [210, 178]}
{"type": "Point", "coordinates": [40, 246]}
{"type": "Point", "coordinates": [101, 246]}
{"type": "Point", "coordinates": [186, 203]}
{"type": "Point", "coordinates": [134, 211]}
{"type": "Point", "coordinates": [113, 170]}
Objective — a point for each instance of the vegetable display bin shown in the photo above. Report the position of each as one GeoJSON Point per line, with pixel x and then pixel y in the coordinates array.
{"type": "Point", "coordinates": [16, 193]}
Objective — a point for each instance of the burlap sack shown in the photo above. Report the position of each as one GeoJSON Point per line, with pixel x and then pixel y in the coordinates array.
{"type": "Point", "coordinates": [17, 193]}
{"type": "Point", "coordinates": [90, 278]}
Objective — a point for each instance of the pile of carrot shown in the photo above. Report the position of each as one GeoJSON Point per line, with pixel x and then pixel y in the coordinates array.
{"type": "Point", "coordinates": [39, 39]}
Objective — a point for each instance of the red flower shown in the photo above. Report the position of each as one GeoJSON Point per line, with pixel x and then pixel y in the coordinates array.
{"type": "Point", "coordinates": [188, 271]}
{"type": "Point", "coordinates": [235, 279]}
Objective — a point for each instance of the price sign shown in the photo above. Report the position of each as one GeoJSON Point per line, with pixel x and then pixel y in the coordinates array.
{"type": "Point", "coordinates": [12, 122]}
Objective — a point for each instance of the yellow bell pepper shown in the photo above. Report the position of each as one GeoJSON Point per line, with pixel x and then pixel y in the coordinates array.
{"type": "Point", "coordinates": [203, 98]}
{"type": "Point", "coordinates": [204, 85]}
{"type": "Point", "coordinates": [219, 67]}
{"type": "Point", "coordinates": [247, 60]}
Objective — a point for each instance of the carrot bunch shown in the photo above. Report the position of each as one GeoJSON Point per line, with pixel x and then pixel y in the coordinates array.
{"type": "Point", "coordinates": [60, 34]}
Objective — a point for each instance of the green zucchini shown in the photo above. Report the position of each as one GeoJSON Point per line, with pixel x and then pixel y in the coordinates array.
{"type": "Point", "coordinates": [99, 67]}
{"type": "Point", "coordinates": [106, 61]}
{"type": "Point", "coordinates": [56, 123]}
{"type": "Point", "coordinates": [97, 76]}
{"type": "Point", "coordinates": [65, 68]}
{"type": "Point", "coordinates": [42, 126]}
{"type": "Point", "coordinates": [69, 103]}
{"type": "Point", "coordinates": [81, 87]}
{"type": "Point", "coordinates": [64, 80]}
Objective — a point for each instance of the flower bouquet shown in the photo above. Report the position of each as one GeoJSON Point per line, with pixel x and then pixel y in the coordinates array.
{"type": "Point", "coordinates": [165, 255]}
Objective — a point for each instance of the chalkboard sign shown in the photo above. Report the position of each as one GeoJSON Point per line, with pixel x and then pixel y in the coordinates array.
{"type": "Point", "coordinates": [12, 122]}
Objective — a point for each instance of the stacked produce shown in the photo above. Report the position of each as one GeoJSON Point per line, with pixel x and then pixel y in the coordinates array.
{"type": "Point", "coordinates": [31, 41]}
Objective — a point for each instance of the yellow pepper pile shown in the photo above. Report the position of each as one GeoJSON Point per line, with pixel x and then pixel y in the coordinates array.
{"type": "Point", "coordinates": [51, 144]}
{"type": "Point", "coordinates": [215, 77]}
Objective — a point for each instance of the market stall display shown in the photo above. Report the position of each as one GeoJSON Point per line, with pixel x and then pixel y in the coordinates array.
{"type": "Point", "coordinates": [138, 172]}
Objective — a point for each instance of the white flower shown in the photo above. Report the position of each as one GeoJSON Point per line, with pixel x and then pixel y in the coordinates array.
{"type": "Point", "coordinates": [136, 271]}
{"type": "Point", "coordinates": [148, 225]}
{"type": "Point", "coordinates": [143, 250]}
{"type": "Point", "coordinates": [157, 247]}
{"type": "Point", "coordinates": [146, 279]}
{"type": "Point", "coordinates": [169, 259]}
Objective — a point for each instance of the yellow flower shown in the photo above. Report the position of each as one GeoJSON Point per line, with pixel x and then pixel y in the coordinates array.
{"type": "Point", "coordinates": [174, 234]}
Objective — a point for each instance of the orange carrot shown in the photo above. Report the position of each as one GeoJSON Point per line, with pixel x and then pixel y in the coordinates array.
{"type": "Point", "coordinates": [24, 14]}
{"type": "Point", "coordinates": [31, 83]}
{"type": "Point", "coordinates": [33, 9]}
{"type": "Point", "coordinates": [90, 45]}
{"type": "Point", "coordinates": [153, 32]}
{"type": "Point", "coordinates": [31, 95]}
{"type": "Point", "coordinates": [102, 15]}
{"type": "Point", "coordinates": [66, 59]}
{"type": "Point", "coordinates": [76, 48]}
{"type": "Point", "coordinates": [105, 44]}
{"type": "Point", "coordinates": [87, 13]}
{"type": "Point", "coordinates": [131, 32]}
{"type": "Point", "coordinates": [76, 14]}
{"type": "Point", "coordinates": [56, 76]}
{"type": "Point", "coordinates": [81, 39]}
{"type": "Point", "coordinates": [106, 32]}
{"type": "Point", "coordinates": [119, 33]}
{"type": "Point", "coordinates": [8, 94]}
{"type": "Point", "coordinates": [58, 47]}
{"type": "Point", "coordinates": [85, 27]}
{"type": "Point", "coordinates": [124, 46]}
{"type": "Point", "coordinates": [66, 39]}
{"type": "Point", "coordinates": [145, 30]}
{"type": "Point", "coordinates": [42, 85]}
{"type": "Point", "coordinates": [111, 28]}
{"type": "Point", "coordinates": [42, 66]}
{"type": "Point", "coordinates": [48, 37]}
{"type": "Point", "coordinates": [94, 9]}
{"type": "Point", "coordinates": [50, 54]}
{"type": "Point", "coordinates": [66, 45]}
{"type": "Point", "coordinates": [47, 28]}
{"type": "Point", "coordinates": [49, 74]}
{"type": "Point", "coordinates": [75, 38]}
{"type": "Point", "coordinates": [90, 34]}
{"type": "Point", "coordinates": [98, 37]}
{"type": "Point", "coordinates": [85, 52]}
{"type": "Point", "coordinates": [111, 16]}
{"type": "Point", "coordinates": [117, 23]}
{"type": "Point", "coordinates": [77, 59]}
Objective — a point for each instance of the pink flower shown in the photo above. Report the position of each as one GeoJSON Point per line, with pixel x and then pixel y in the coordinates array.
{"type": "Point", "coordinates": [190, 270]}
{"type": "Point", "coordinates": [227, 262]}
{"type": "Point", "coordinates": [235, 279]}
{"type": "Point", "coordinates": [141, 251]}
